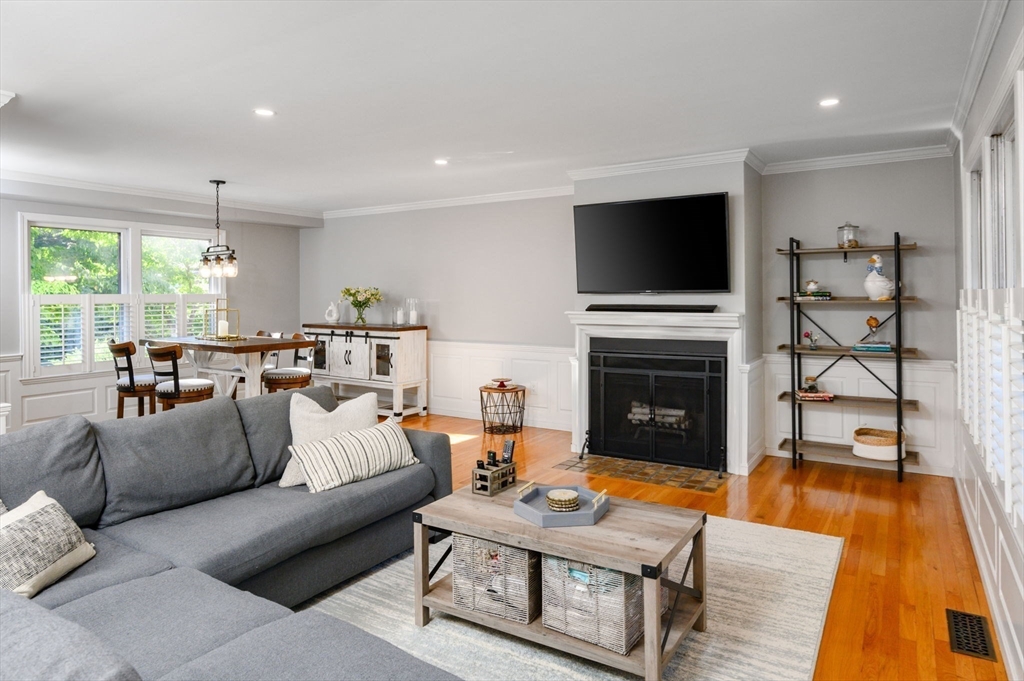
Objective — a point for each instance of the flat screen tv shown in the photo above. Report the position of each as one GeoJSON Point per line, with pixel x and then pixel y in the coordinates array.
{"type": "Point", "coordinates": [670, 245]}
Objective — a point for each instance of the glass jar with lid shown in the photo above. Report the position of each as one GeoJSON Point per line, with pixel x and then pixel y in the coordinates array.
{"type": "Point", "coordinates": [848, 236]}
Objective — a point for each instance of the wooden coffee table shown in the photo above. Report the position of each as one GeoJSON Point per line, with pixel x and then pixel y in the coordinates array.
{"type": "Point", "coordinates": [634, 536]}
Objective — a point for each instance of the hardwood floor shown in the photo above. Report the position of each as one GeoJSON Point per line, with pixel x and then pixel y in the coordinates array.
{"type": "Point", "coordinates": [906, 555]}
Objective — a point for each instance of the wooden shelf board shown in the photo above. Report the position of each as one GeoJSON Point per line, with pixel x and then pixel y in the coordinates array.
{"type": "Point", "coordinates": [855, 402]}
{"type": "Point", "coordinates": [849, 300]}
{"type": "Point", "coordinates": [846, 351]}
{"type": "Point", "coordinates": [834, 249]}
{"type": "Point", "coordinates": [838, 451]}
{"type": "Point", "coordinates": [689, 608]}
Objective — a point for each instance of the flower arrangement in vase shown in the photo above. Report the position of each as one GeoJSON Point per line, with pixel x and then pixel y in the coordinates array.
{"type": "Point", "coordinates": [813, 338]}
{"type": "Point", "coordinates": [362, 298]}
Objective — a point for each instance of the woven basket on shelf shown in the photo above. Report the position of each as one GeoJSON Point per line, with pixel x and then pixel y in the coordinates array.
{"type": "Point", "coordinates": [496, 579]}
{"type": "Point", "coordinates": [876, 437]}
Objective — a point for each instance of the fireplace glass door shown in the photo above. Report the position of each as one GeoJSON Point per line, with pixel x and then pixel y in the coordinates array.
{"type": "Point", "coordinates": [657, 408]}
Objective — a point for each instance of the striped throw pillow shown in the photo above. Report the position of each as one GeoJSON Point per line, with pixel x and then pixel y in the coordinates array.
{"type": "Point", "coordinates": [353, 456]}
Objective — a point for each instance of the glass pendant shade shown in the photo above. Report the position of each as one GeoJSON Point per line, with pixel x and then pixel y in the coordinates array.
{"type": "Point", "coordinates": [218, 260]}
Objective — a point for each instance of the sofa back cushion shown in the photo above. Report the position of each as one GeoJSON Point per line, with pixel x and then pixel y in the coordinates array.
{"type": "Point", "coordinates": [58, 457]}
{"type": "Point", "coordinates": [175, 458]}
{"type": "Point", "coordinates": [265, 419]}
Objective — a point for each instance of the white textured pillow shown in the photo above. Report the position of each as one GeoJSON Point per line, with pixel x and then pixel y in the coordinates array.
{"type": "Point", "coordinates": [353, 456]}
{"type": "Point", "coordinates": [39, 544]}
{"type": "Point", "coordinates": [310, 422]}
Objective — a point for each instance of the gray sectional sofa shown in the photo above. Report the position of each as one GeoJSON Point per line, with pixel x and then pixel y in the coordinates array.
{"type": "Point", "coordinates": [199, 554]}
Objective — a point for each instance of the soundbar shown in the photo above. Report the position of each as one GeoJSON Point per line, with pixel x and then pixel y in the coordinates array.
{"type": "Point", "coordinates": [701, 309]}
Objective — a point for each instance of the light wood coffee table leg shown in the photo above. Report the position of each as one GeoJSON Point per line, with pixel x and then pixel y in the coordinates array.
{"type": "Point", "coordinates": [652, 629]}
{"type": "Point", "coordinates": [699, 574]}
{"type": "Point", "coordinates": [421, 562]}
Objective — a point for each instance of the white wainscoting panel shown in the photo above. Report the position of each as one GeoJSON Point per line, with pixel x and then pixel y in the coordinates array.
{"type": "Point", "coordinates": [458, 369]}
{"type": "Point", "coordinates": [929, 431]}
{"type": "Point", "coordinates": [998, 548]}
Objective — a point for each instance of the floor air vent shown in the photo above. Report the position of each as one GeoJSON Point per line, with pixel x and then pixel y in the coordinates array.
{"type": "Point", "coordinates": [968, 634]}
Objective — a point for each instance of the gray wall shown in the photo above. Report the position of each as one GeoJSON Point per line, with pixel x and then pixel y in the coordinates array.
{"type": "Point", "coordinates": [912, 197]}
{"type": "Point", "coordinates": [265, 291]}
{"type": "Point", "coordinates": [497, 272]}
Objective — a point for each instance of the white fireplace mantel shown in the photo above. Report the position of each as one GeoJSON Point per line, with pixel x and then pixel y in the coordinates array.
{"type": "Point", "coordinates": [718, 326]}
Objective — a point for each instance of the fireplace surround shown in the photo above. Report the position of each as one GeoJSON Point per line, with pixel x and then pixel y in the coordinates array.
{"type": "Point", "coordinates": [744, 405]}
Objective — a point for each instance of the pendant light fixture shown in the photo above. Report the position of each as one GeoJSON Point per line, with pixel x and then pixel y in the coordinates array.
{"type": "Point", "coordinates": [218, 260]}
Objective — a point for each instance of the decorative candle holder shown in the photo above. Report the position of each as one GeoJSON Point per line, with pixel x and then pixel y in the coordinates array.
{"type": "Point", "coordinates": [221, 322]}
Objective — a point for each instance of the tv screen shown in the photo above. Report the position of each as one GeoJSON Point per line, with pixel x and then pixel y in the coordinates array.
{"type": "Point", "coordinates": [671, 245]}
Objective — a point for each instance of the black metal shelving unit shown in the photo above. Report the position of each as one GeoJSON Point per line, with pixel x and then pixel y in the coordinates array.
{"type": "Point", "coordinates": [797, 444]}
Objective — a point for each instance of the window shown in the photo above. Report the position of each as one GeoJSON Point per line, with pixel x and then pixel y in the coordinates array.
{"type": "Point", "coordinates": [90, 281]}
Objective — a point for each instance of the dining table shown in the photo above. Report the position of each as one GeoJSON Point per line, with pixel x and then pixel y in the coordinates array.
{"type": "Point", "coordinates": [250, 354]}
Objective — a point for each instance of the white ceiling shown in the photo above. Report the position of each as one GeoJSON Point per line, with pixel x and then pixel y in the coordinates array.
{"type": "Point", "coordinates": [160, 94]}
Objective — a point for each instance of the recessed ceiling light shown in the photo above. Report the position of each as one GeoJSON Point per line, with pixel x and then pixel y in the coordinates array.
{"type": "Point", "coordinates": [263, 112]}
{"type": "Point", "coordinates": [828, 102]}
{"type": "Point", "coordinates": [441, 161]}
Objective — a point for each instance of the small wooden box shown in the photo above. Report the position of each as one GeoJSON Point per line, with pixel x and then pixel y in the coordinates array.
{"type": "Point", "coordinates": [493, 479]}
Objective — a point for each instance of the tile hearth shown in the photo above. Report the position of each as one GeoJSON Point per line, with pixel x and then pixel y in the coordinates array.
{"type": "Point", "coordinates": [683, 477]}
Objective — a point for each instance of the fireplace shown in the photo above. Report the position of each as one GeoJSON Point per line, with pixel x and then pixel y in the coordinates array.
{"type": "Point", "coordinates": [659, 400]}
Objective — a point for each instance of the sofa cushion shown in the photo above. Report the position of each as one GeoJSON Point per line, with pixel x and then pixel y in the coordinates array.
{"type": "Point", "coordinates": [309, 645]}
{"type": "Point", "coordinates": [353, 456]}
{"type": "Point", "coordinates": [159, 623]}
{"type": "Point", "coordinates": [114, 564]}
{"type": "Point", "coordinates": [172, 459]}
{"type": "Point", "coordinates": [240, 535]}
{"type": "Point", "coordinates": [37, 644]}
{"type": "Point", "coordinates": [265, 420]}
{"type": "Point", "coordinates": [59, 457]}
{"type": "Point", "coordinates": [310, 423]}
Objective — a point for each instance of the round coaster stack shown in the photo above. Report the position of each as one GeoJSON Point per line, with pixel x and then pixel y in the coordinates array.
{"type": "Point", "coordinates": [563, 500]}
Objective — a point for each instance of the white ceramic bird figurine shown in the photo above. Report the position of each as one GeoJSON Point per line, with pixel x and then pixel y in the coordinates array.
{"type": "Point", "coordinates": [877, 285]}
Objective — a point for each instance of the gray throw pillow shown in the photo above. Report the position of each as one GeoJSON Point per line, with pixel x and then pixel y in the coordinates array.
{"type": "Point", "coordinates": [353, 456]}
{"type": "Point", "coordinates": [310, 423]}
{"type": "Point", "coordinates": [39, 544]}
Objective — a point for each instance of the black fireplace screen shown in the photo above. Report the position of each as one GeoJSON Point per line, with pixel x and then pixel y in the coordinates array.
{"type": "Point", "coordinates": [658, 407]}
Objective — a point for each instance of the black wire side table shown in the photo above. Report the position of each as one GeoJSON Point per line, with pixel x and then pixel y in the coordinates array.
{"type": "Point", "coordinates": [502, 409]}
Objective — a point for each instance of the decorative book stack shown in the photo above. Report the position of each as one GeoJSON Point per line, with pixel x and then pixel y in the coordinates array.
{"type": "Point", "coordinates": [812, 296]}
{"type": "Point", "coordinates": [819, 396]}
{"type": "Point", "coordinates": [873, 346]}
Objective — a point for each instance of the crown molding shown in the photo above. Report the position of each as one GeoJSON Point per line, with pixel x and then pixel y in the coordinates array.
{"type": "Point", "coordinates": [984, 38]}
{"type": "Point", "coordinates": [6, 96]}
{"type": "Point", "coordinates": [755, 162]}
{"type": "Point", "coordinates": [447, 203]}
{"type": "Point", "coordinates": [17, 176]}
{"type": "Point", "coordinates": [674, 163]}
{"type": "Point", "coordinates": [893, 156]}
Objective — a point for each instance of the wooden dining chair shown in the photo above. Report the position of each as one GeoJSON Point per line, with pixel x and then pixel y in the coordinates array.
{"type": "Point", "coordinates": [131, 384]}
{"type": "Point", "coordinates": [289, 378]}
{"type": "Point", "coordinates": [171, 389]}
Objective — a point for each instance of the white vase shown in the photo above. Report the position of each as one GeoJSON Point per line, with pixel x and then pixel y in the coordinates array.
{"type": "Point", "coordinates": [332, 314]}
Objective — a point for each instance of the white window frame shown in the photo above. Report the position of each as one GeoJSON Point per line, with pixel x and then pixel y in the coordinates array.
{"type": "Point", "coordinates": [131, 287]}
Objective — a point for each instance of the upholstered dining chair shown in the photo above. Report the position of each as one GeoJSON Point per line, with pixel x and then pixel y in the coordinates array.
{"type": "Point", "coordinates": [131, 384]}
{"type": "Point", "coordinates": [289, 378]}
{"type": "Point", "coordinates": [171, 389]}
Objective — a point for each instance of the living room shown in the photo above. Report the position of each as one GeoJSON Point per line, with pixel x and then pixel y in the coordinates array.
{"type": "Point", "coordinates": [408, 200]}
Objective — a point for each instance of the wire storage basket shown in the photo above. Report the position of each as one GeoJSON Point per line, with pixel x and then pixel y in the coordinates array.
{"type": "Point", "coordinates": [594, 604]}
{"type": "Point", "coordinates": [496, 579]}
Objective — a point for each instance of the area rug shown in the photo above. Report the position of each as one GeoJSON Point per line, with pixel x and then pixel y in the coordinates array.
{"type": "Point", "coordinates": [768, 593]}
{"type": "Point", "coordinates": [683, 477]}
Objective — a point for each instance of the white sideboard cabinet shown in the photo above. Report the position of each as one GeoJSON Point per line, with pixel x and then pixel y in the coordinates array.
{"type": "Point", "coordinates": [390, 358]}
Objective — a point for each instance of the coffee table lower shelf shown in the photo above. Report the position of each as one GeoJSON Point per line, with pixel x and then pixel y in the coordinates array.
{"type": "Point", "coordinates": [688, 610]}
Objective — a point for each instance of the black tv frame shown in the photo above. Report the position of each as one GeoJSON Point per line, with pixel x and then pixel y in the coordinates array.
{"type": "Point", "coordinates": [728, 248]}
